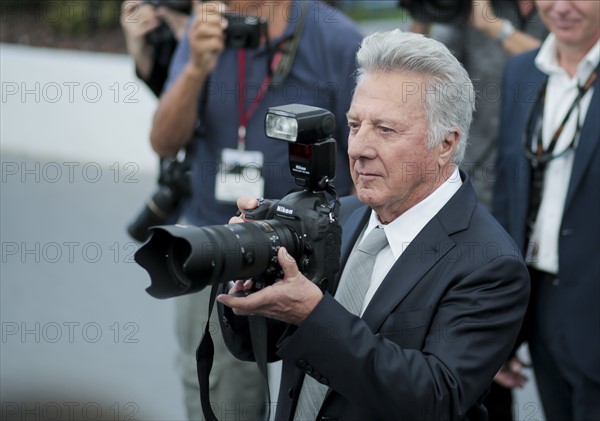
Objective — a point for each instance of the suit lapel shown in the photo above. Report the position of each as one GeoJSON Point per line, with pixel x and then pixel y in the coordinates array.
{"type": "Point", "coordinates": [429, 247]}
{"type": "Point", "coordinates": [588, 142]}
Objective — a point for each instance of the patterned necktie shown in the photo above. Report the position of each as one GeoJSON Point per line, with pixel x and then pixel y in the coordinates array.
{"type": "Point", "coordinates": [351, 294]}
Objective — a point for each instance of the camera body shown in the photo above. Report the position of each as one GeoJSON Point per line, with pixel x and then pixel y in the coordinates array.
{"type": "Point", "coordinates": [244, 31]}
{"type": "Point", "coordinates": [183, 6]}
{"type": "Point", "coordinates": [185, 259]}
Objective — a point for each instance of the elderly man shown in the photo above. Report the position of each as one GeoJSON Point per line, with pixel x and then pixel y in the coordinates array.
{"type": "Point", "coordinates": [213, 105]}
{"type": "Point", "coordinates": [444, 303]}
{"type": "Point", "coordinates": [547, 198]}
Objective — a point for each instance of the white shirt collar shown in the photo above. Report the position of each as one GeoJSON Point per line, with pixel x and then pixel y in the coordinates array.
{"type": "Point", "coordinates": [402, 230]}
{"type": "Point", "coordinates": [547, 59]}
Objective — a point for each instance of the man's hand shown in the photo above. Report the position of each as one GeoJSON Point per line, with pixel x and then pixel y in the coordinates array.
{"type": "Point", "coordinates": [137, 19]}
{"type": "Point", "coordinates": [244, 204]}
{"type": "Point", "coordinates": [510, 375]}
{"type": "Point", "coordinates": [290, 299]}
{"type": "Point", "coordinates": [206, 35]}
{"type": "Point", "coordinates": [484, 19]}
{"type": "Point", "coordinates": [174, 19]}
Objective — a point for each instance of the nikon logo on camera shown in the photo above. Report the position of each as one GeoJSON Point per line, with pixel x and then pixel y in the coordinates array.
{"type": "Point", "coordinates": [284, 210]}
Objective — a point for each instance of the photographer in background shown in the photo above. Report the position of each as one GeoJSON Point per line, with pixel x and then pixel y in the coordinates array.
{"type": "Point", "coordinates": [152, 29]}
{"type": "Point", "coordinates": [483, 39]}
{"type": "Point", "coordinates": [546, 197]}
{"type": "Point", "coordinates": [419, 321]}
{"type": "Point", "coordinates": [215, 100]}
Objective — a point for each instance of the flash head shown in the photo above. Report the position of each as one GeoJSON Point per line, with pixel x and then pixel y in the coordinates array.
{"type": "Point", "coordinates": [298, 123]}
{"type": "Point", "coordinates": [311, 148]}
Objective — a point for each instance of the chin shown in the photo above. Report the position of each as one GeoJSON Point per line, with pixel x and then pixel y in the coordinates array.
{"type": "Point", "coordinates": [368, 196]}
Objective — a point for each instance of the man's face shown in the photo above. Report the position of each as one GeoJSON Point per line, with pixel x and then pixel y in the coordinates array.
{"type": "Point", "coordinates": [390, 164]}
{"type": "Point", "coordinates": [574, 23]}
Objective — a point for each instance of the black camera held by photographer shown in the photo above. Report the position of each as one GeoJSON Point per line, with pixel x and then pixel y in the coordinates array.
{"type": "Point", "coordinates": [165, 205]}
{"type": "Point", "coordinates": [185, 259]}
{"type": "Point", "coordinates": [242, 31]}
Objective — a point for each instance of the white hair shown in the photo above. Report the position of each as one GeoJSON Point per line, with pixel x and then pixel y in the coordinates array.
{"type": "Point", "coordinates": [448, 94]}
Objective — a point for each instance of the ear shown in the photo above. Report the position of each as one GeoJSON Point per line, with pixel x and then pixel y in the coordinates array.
{"type": "Point", "coordinates": [447, 147]}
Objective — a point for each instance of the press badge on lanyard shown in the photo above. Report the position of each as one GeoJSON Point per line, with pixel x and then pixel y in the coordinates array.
{"type": "Point", "coordinates": [240, 172]}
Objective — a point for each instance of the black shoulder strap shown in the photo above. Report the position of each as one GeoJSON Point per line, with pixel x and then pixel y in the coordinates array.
{"type": "Point", "coordinates": [204, 361]}
{"type": "Point", "coordinates": [206, 351]}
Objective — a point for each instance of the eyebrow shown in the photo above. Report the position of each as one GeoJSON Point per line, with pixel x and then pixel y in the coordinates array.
{"type": "Point", "coordinates": [376, 122]}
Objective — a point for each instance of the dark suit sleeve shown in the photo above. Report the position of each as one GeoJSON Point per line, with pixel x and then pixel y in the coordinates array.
{"type": "Point", "coordinates": [459, 343]}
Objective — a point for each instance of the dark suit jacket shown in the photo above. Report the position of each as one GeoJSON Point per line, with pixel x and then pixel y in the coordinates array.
{"type": "Point", "coordinates": [578, 313]}
{"type": "Point", "coordinates": [428, 345]}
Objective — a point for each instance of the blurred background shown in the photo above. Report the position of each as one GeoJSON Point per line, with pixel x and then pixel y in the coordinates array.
{"type": "Point", "coordinates": [80, 338]}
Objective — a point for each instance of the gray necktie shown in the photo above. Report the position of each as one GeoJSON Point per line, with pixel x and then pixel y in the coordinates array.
{"type": "Point", "coordinates": [351, 294]}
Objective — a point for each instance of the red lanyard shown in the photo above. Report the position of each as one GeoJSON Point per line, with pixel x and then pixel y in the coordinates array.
{"type": "Point", "coordinates": [243, 113]}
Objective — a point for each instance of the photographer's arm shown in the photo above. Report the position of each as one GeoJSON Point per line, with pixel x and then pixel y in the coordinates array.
{"type": "Point", "coordinates": [484, 20]}
{"type": "Point", "coordinates": [176, 114]}
{"type": "Point", "coordinates": [137, 20]}
{"type": "Point", "coordinates": [513, 41]}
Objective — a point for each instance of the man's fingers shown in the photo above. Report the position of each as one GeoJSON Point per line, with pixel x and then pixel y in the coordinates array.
{"type": "Point", "coordinates": [243, 305]}
{"type": "Point", "coordinates": [287, 263]}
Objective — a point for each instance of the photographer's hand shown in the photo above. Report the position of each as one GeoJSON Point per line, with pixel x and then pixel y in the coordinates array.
{"type": "Point", "coordinates": [244, 203]}
{"type": "Point", "coordinates": [176, 21]}
{"type": "Point", "coordinates": [206, 35]}
{"type": "Point", "coordinates": [290, 299]}
{"type": "Point", "coordinates": [137, 20]}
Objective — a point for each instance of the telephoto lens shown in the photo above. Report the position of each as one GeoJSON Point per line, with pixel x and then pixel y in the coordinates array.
{"type": "Point", "coordinates": [185, 259]}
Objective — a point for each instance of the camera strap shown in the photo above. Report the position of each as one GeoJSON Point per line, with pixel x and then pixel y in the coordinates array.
{"type": "Point", "coordinates": [289, 51]}
{"type": "Point", "coordinates": [204, 361]}
{"type": "Point", "coordinates": [206, 351]}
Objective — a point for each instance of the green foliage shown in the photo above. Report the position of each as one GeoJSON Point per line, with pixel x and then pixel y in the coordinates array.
{"type": "Point", "coordinates": [68, 17]}
{"type": "Point", "coordinates": [361, 13]}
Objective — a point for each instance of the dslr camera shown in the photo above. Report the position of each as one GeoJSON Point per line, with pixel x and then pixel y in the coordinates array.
{"type": "Point", "coordinates": [244, 31]}
{"type": "Point", "coordinates": [164, 206]}
{"type": "Point", "coordinates": [185, 259]}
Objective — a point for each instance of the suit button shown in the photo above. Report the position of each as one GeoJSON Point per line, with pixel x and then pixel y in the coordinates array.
{"type": "Point", "coordinates": [323, 380]}
{"type": "Point", "coordinates": [301, 363]}
{"type": "Point", "coordinates": [566, 232]}
{"type": "Point", "coordinates": [309, 369]}
{"type": "Point", "coordinates": [555, 281]}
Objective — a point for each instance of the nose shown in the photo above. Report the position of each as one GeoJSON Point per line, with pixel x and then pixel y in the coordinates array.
{"type": "Point", "coordinates": [561, 7]}
{"type": "Point", "coordinates": [362, 144]}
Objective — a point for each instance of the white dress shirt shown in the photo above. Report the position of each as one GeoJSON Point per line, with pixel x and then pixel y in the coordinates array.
{"type": "Point", "coordinates": [561, 91]}
{"type": "Point", "coordinates": [403, 230]}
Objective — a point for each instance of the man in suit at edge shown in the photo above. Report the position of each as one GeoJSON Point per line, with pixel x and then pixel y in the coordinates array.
{"type": "Point", "coordinates": [559, 235]}
{"type": "Point", "coordinates": [449, 291]}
